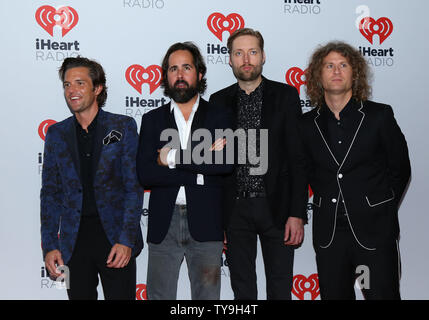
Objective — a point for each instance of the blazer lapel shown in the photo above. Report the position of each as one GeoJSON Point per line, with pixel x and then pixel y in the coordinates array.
{"type": "Point", "coordinates": [362, 114]}
{"type": "Point", "coordinates": [100, 133]}
{"type": "Point", "coordinates": [231, 102]}
{"type": "Point", "coordinates": [169, 117]}
{"type": "Point", "coordinates": [267, 101]}
{"type": "Point", "coordinates": [199, 116]}
{"type": "Point", "coordinates": [71, 141]}
{"type": "Point", "coordinates": [318, 124]}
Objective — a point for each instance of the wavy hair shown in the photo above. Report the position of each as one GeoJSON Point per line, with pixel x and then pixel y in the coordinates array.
{"type": "Point", "coordinates": [96, 73]}
{"type": "Point", "coordinates": [199, 63]}
{"type": "Point", "coordinates": [361, 90]}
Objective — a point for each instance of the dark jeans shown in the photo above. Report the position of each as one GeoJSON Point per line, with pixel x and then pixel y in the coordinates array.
{"type": "Point", "coordinates": [203, 260]}
{"type": "Point", "coordinates": [89, 260]}
{"type": "Point", "coordinates": [344, 261]}
{"type": "Point", "coordinates": [252, 218]}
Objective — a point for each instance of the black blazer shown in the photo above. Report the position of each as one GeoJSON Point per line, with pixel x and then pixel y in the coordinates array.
{"type": "Point", "coordinates": [284, 181]}
{"type": "Point", "coordinates": [371, 178]}
{"type": "Point", "coordinates": [204, 202]}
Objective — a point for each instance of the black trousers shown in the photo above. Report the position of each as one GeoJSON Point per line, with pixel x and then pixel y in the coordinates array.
{"type": "Point", "coordinates": [252, 218]}
{"type": "Point", "coordinates": [339, 266]}
{"type": "Point", "coordinates": [89, 261]}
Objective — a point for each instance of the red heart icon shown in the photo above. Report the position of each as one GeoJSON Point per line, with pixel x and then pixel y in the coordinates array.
{"type": "Point", "coordinates": [295, 77]}
{"type": "Point", "coordinates": [137, 75]}
{"type": "Point", "coordinates": [48, 17]}
{"type": "Point", "coordinates": [301, 284]}
{"type": "Point", "coordinates": [218, 23]}
{"type": "Point", "coordinates": [383, 27]}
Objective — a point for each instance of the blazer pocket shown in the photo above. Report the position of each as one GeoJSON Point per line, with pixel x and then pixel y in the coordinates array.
{"type": "Point", "coordinates": [317, 200]}
{"type": "Point", "coordinates": [378, 198]}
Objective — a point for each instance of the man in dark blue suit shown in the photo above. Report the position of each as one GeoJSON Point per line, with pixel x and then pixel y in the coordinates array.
{"type": "Point", "coordinates": [91, 200]}
{"type": "Point", "coordinates": [185, 217]}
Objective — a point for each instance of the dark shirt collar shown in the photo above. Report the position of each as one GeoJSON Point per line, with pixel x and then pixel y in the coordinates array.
{"type": "Point", "coordinates": [91, 126]}
{"type": "Point", "coordinates": [349, 108]}
{"type": "Point", "coordinates": [256, 92]}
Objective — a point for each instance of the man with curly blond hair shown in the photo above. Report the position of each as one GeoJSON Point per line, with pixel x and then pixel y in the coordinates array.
{"type": "Point", "coordinates": [358, 168]}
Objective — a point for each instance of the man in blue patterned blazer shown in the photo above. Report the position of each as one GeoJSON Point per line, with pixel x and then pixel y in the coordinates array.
{"type": "Point", "coordinates": [91, 200]}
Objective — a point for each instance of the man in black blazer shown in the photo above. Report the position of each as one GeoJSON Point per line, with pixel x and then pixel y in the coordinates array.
{"type": "Point", "coordinates": [358, 169]}
{"type": "Point", "coordinates": [185, 206]}
{"type": "Point", "coordinates": [271, 205]}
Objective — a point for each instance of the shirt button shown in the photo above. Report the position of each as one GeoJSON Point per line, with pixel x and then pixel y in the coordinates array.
{"type": "Point", "coordinates": [339, 142]}
{"type": "Point", "coordinates": [334, 200]}
{"type": "Point", "coordinates": [340, 175]}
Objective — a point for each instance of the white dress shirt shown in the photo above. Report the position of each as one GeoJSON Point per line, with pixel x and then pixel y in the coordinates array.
{"type": "Point", "coordinates": [184, 128]}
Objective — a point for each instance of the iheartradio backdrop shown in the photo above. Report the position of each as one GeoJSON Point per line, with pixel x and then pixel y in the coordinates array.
{"type": "Point", "coordinates": [130, 37]}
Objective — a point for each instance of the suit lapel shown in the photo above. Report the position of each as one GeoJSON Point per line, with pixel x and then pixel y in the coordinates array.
{"type": "Point", "coordinates": [100, 133]}
{"type": "Point", "coordinates": [321, 128]}
{"type": "Point", "coordinates": [362, 114]}
{"type": "Point", "coordinates": [267, 103]}
{"type": "Point", "coordinates": [169, 117]}
{"type": "Point", "coordinates": [71, 141]}
{"type": "Point", "coordinates": [231, 102]}
{"type": "Point", "coordinates": [321, 132]}
{"type": "Point", "coordinates": [199, 116]}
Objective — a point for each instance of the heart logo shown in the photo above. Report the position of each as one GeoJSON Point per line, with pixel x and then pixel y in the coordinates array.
{"type": "Point", "coordinates": [301, 284]}
{"type": "Point", "coordinates": [136, 75]}
{"type": "Point", "coordinates": [218, 23]}
{"type": "Point", "coordinates": [295, 77]}
{"type": "Point", "coordinates": [65, 17]}
{"type": "Point", "coordinates": [43, 128]}
{"type": "Point", "coordinates": [141, 293]}
{"type": "Point", "coordinates": [383, 27]}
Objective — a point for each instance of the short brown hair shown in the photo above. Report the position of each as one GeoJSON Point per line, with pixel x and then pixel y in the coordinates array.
{"type": "Point", "coordinates": [245, 32]}
{"type": "Point", "coordinates": [361, 73]}
{"type": "Point", "coordinates": [96, 74]}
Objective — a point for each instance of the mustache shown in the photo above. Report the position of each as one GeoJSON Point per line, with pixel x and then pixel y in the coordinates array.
{"type": "Point", "coordinates": [181, 82]}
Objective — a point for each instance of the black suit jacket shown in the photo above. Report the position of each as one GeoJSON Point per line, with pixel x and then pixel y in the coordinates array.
{"type": "Point", "coordinates": [284, 181]}
{"type": "Point", "coordinates": [371, 178]}
{"type": "Point", "coordinates": [204, 202]}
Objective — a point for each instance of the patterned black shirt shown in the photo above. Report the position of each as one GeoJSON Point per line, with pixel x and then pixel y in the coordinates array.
{"type": "Point", "coordinates": [249, 117]}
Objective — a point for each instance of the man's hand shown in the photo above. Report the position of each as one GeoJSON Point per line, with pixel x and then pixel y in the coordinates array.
{"type": "Point", "coordinates": [294, 231]}
{"type": "Point", "coordinates": [162, 156]}
{"type": "Point", "coordinates": [119, 256]}
{"type": "Point", "coordinates": [53, 260]}
{"type": "Point", "coordinates": [218, 144]}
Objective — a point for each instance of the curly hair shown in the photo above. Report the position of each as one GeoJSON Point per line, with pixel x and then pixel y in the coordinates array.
{"type": "Point", "coordinates": [361, 90]}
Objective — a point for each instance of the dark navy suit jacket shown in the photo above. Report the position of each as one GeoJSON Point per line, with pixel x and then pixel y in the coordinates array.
{"type": "Point", "coordinates": [118, 195]}
{"type": "Point", "coordinates": [204, 202]}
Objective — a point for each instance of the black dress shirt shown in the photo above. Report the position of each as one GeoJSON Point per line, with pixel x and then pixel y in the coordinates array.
{"type": "Point", "coordinates": [249, 117]}
{"type": "Point", "coordinates": [86, 146]}
{"type": "Point", "coordinates": [339, 134]}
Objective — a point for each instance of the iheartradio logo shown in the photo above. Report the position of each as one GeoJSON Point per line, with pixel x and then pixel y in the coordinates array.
{"type": "Point", "coordinates": [301, 284]}
{"type": "Point", "coordinates": [43, 128]}
{"type": "Point", "coordinates": [137, 75]}
{"type": "Point", "coordinates": [369, 27]}
{"type": "Point", "coordinates": [65, 17]}
{"type": "Point", "coordinates": [295, 77]}
{"type": "Point", "coordinates": [218, 23]}
{"type": "Point", "coordinates": [141, 293]}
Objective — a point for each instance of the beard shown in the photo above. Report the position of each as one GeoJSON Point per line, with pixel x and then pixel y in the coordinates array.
{"type": "Point", "coordinates": [248, 76]}
{"type": "Point", "coordinates": [182, 95]}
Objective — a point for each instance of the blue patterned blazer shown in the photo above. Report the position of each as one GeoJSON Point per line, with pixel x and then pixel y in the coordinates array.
{"type": "Point", "coordinates": [118, 195]}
